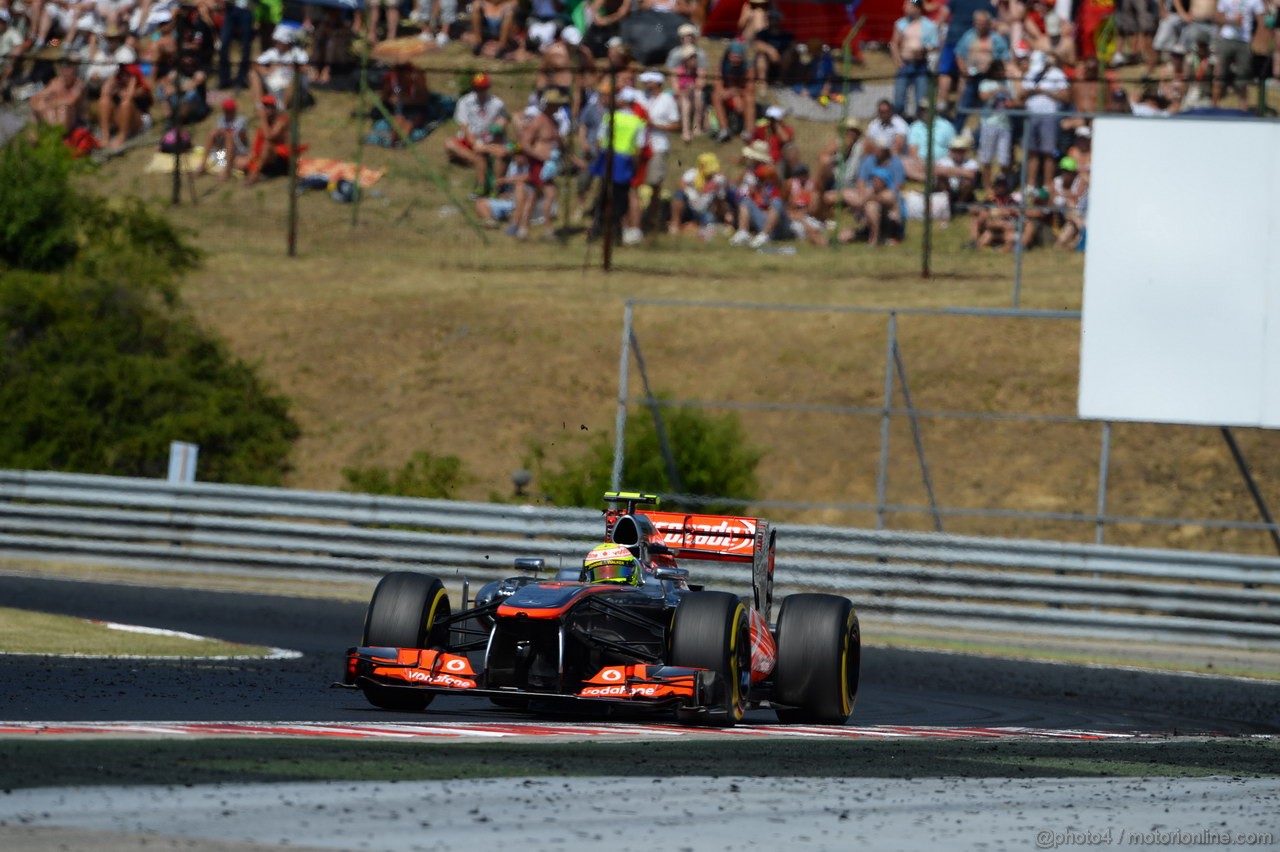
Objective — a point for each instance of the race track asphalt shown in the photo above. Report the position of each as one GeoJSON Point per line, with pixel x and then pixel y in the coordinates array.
{"type": "Point", "coordinates": [898, 687]}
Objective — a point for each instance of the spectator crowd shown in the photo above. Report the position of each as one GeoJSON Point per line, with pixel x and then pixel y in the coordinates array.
{"type": "Point", "coordinates": [598, 140]}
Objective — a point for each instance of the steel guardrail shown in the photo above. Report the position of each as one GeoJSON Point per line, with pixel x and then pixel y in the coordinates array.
{"type": "Point", "coordinates": [1046, 587]}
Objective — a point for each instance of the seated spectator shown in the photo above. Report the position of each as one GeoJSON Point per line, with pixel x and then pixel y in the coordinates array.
{"type": "Point", "coordinates": [493, 27]}
{"type": "Point", "coordinates": [124, 107]}
{"type": "Point", "coordinates": [691, 81]}
{"type": "Point", "coordinates": [1070, 190]}
{"type": "Point", "coordinates": [959, 170]}
{"type": "Point", "coordinates": [881, 210]}
{"type": "Point", "coordinates": [405, 95]}
{"type": "Point", "coordinates": [760, 26]}
{"type": "Point", "coordinates": [801, 199]}
{"type": "Point", "coordinates": [604, 23]}
{"type": "Point", "coordinates": [775, 131]}
{"type": "Point", "coordinates": [761, 206]}
{"type": "Point", "coordinates": [995, 130]}
{"type": "Point", "coordinates": [812, 71]}
{"type": "Point", "coordinates": [994, 224]}
{"type": "Point", "coordinates": [61, 102]}
{"type": "Point", "coordinates": [1150, 103]}
{"type": "Point", "coordinates": [184, 92]}
{"type": "Point", "coordinates": [105, 60]}
{"type": "Point", "coordinates": [838, 168]}
{"type": "Point", "coordinates": [734, 92]}
{"type": "Point", "coordinates": [678, 56]}
{"type": "Point", "coordinates": [331, 47]}
{"type": "Point", "coordinates": [702, 190]}
{"type": "Point", "coordinates": [12, 47]}
{"type": "Point", "coordinates": [276, 69]}
{"type": "Point", "coordinates": [271, 151]}
{"type": "Point", "coordinates": [1042, 90]}
{"type": "Point", "coordinates": [228, 144]}
{"type": "Point", "coordinates": [479, 143]}
{"type": "Point", "coordinates": [913, 159]}
{"type": "Point", "coordinates": [867, 197]}
{"type": "Point", "coordinates": [560, 58]}
{"type": "Point", "coordinates": [160, 48]}
{"type": "Point", "coordinates": [65, 19]}
{"type": "Point", "coordinates": [887, 129]}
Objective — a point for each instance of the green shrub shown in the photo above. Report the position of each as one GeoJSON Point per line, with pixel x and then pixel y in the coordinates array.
{"type": "Point", "coordinates": [100, 366]}
{"type": "Point", "coordinates": [38, 217]}
{"type": "Point", "coordinates": [424, 475]}
{"type": "Point", "coordinates": [711, 452]}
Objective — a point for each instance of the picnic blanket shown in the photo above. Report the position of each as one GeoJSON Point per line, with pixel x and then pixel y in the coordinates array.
{"type": "Point", "coordinates": [336, 170]}
{"type": "Point", "coordinates": [163, 163]}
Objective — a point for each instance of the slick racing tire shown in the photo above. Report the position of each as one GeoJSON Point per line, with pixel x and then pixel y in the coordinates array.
{"type": "Point", "coordinates": [819, 655]}
{"type": "Point", "coordinates": [405, 612]}
{"type": "Point", "coordinates": [711, 630]}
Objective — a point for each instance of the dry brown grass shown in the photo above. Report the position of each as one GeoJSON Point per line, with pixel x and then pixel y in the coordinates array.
{"type": "Point", "coordinates": [406, 332]}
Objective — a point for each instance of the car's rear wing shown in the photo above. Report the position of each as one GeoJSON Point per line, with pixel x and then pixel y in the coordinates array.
{"type": "Point", "coordinates": [713, 538]}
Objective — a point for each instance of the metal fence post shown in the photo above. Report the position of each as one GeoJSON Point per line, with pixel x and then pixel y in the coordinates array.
{"type": "Point", "coordinates": [1022, 214]}
{"type": "Point", "coordinates": [1104, 463]}
{"type": "Point", "coordinates": [882, 475]}
{"type": "Point", "coordinates": [620, 422]}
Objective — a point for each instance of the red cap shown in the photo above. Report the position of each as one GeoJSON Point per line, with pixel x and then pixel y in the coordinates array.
{"type": "Point", "coordinates": [480, 81]}
{"type": "Point", "coordinates": [269, 100]}
{"type": "Point", "coordinates": [229, 104]}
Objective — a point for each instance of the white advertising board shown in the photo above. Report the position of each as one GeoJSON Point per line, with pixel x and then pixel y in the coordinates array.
{"type": "Point", "coordinates": [1181, 318]}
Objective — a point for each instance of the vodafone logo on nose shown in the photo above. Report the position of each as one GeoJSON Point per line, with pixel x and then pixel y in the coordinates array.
{"type": "Point", "coordinates": [611, 675]}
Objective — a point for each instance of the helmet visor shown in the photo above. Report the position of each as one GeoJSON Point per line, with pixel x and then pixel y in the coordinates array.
{"type": "Point", "coordinates": [613, 569]}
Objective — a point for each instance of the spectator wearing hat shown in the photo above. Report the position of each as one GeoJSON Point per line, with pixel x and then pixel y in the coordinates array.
{"type": "Point", "coordinates": [958, 170]}
{"type": "Point", "coordinates": [228, 144]}
{"type": "Point", "coordinates": [774, 130]}
{"type": "Point", "coordinates": [702, 190]}
{"type": "Point", "coordinates": [604, 23]}
{"type": "Point", "coordinates": [1042, 91]}
{"type": "Point", "coordinates": [914, 36]}
{"type": "Point", "coordinates": [619, 63]}
{"type": "Point", "coordinates": [691, 81]}
{"type": "Point", "coordinates": [620, 142]}
{"type": "Point", "coordinates": [61, 103]}
{"type": "Point", "coordinates": [237, 29]}
{"type": "Point", "coordinates": [734, 91]}
{"type": "Point", "coordinates": [838, 167]}
{"type": "Point", "coordinates": [761, 207]}
{"type": "Point", "coordinates": [276, 68]}
{"type": "Point", "coordinates": [801, 196]}
{"type": "Point", "coordinates": [481, 118]}
{"type": "Point", "coordinates": [540, 142]}
{"type": "Point", "coordinates": [124, 106]}
{"type": "Point", "coordinates": [105, 60]}
{"type": "Point", "coordinates": [678, 55]}
{"type": "Point", "coordinates": [271, 149]}
{"type": "Point", "coordinates": [663, 119]}
{"type": "Point", "coordinates": [995, 129]}
{"type": "Point", "coordinates": [1070, 189]}
{"type": "Point", "coordinates": [493, 27]}
{"type": "Point", "coordinates": [877, 197]}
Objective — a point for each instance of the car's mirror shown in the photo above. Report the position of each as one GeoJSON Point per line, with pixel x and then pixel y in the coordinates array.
{"type": "Point", "coordinates": [529, 563]}
{"type": "Point", "coordinates": [671, 573]}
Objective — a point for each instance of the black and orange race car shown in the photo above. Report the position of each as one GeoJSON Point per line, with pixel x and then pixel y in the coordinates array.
{"type": "Point", "coordinates": [625, 628]}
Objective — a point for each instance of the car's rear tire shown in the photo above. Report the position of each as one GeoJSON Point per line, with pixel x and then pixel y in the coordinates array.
{"type": "Point", "coordinates": [405, 612]}
{"type": "Point", "coordinates": [819, 656]}
{"type": "Point", "coordinates": [711, 630]}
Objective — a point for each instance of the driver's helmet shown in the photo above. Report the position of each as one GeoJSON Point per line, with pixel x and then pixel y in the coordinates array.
{"type": "Point", "coordinates": [611, 563]}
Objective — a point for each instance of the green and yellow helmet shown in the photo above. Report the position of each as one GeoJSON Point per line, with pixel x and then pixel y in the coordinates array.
{"type": "Point", "coordinates": [610, 563]}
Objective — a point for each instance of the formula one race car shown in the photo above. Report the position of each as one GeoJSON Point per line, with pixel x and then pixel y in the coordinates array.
{"type": "Point", "coordinates": [625, 628]}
